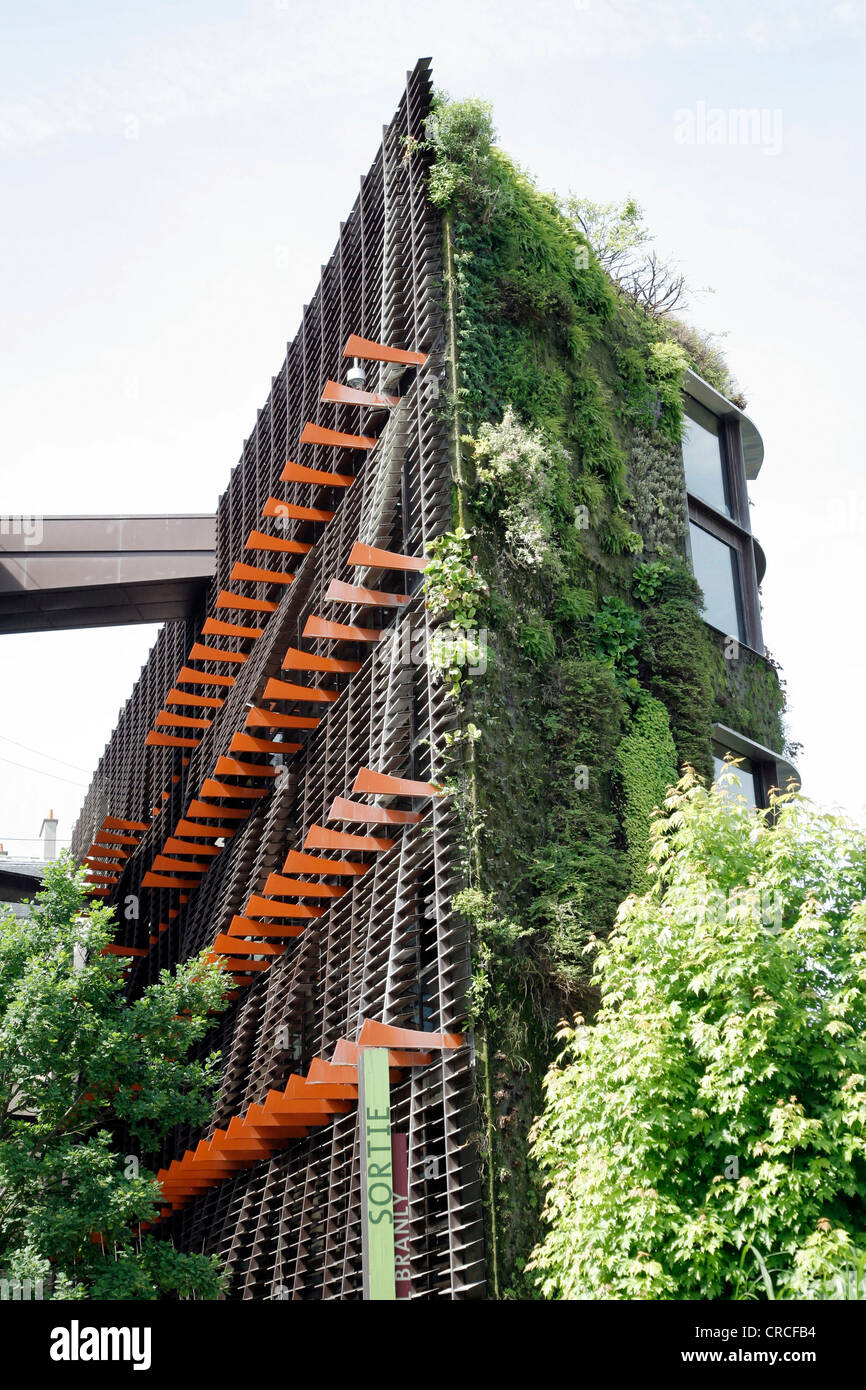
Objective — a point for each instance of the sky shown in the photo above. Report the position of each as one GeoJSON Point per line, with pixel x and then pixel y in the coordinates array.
{"type": "Point", "coordinates": [173, 176]}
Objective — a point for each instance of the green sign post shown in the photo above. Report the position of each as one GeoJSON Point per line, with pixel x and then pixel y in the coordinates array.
{"type": "Point", "coordinates": [377, 1174]}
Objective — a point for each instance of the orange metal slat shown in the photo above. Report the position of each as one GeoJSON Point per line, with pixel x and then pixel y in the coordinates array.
{"type": "Point", "coordinates": [105, 837]}
{"type": "Point", "coordinates": [377, 784]}
{"type": "Point", "coordinates": [187, 676]}
{"type": "Point", "coordinates": [317, 864]}
{"type": "Point", "coordinates": [339, 394]}
{"type": "Point", "coordinates": [155, 740]}
{"type": "Point", "coordinates": [182, 721]}
{"type": "Point", "coordinates": [200, 651]}
{"type": "Point", "coordinates": [376, 1034]}
{"type": "Point", "coordinates": [245, 926]}
{"type": "Point", "coordinates": [295, 660]}
{"type": "Point", "coordinates": [369, 555]}
{"type": "Point", "coordinates": [371, 351]}
{"type": "Point", "coordinates": [175, 846]}
{"type": "Point", "coordinates": [182, 866]}
{"type": "Point", "coordinates": [345, 632]}
{"type": "Point", "coordinates": [113, 823]}
{"type": "Point", "coordinates": [227, 599]}
{"type": "Point", "coordinates": [342, 809]}
{"type": "Point", "coordinates": [288, 690]}
{"type": "Point", "coordinates": [258, 906]}
{"type": "Point", "coordinates": [205, 809]}
{"type": "Point", "coordinates": [207, 832]}
{"type": "Point", "coordinates": [233, 946]}
{"type": "Point", "coordinates": [296, 887]}
{"type": "Point", "coordinates": [317, 434]}
{"type": "Point", "coordinates": [152, 880]}
{"type": "Point", "coordinates": [297, 473]}
{"type": "Point", "coordinates": [251, 966]}
{"type": "Point", "coordinates": [246, 743]}
{"type": "Point", "coordinates": [338, 592]}
{"type": "Point", "coordinates": [233, 767]}
{"type": "Point", "coordinates": [180, 697]}
{"type": "Point", "coordinates": [274, 507]}
{"type": "Point", "coordinates": [213, 788]}
{"type": "Point", "coordinates": [320, 838]}
{"type": "Point", "coordinates": [273, 719]}
{"type": "Point", "coordinates": [213, 627]}
{"type": "Point", "coordinates": [260, 540]}
{"type": "Point", "coordinates": [256, 575]}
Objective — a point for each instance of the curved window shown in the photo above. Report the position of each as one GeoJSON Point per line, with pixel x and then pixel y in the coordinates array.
{"type": "Point", "coordinates": [716, 569]}
{"type": "Point", "coordinates": [704, 458]}
{"type": "Point", "coordinates": [745, 774]}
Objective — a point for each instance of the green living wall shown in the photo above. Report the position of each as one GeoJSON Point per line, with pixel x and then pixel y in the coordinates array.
{"type": "Point", "coordinates": [599, 678]}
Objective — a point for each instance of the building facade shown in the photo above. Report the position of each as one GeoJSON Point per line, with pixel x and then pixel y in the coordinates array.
{"type": "Point", "coordinates": [272, 791]}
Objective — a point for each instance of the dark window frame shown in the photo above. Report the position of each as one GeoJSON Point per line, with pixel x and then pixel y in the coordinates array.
{"type": "Point", "coordinates": [734, 530]}
{"type": "Point", "coordinates": [764, 772]}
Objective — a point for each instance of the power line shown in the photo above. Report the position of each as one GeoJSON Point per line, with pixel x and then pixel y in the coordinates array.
{"type": "Point", "coordinates": [42, 773]}
{"type": "Point", "coordinates": [49, 756]}
{"type": "Point", "coordinates": [26, 840]}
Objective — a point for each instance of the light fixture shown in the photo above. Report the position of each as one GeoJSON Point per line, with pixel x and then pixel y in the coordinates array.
{"type": "Point", "coordinates": [356, 377]}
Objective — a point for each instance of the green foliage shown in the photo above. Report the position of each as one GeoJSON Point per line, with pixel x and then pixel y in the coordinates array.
{"type": "Point", "coordinates": [748, 696]}
{"type": "Point", "coordinates": [715, 1111]}
{"type": "Point", "coordinates": [573, 605]}
{"type": "Point", "coordinates": [455, 591]}
{"type": "Point", "coordinates": [706, 358]}
{"type": "Point", "coordinates": [616, 633]}
{"type": "Point", "coordinates": [452, 584]}
{"type": "Point", "coordinates": [461, 134]}
{"type": "Point", "coordinates": [648, 579]}
{"type": "Point", "coordinates": [657, 505]}
{"type": "Point", "coordinates": [496, 954]}
{"type": "Point", "coordinates": [569, 401]}
{"type": "Point", "coordinates": [677, 653]}
{"type": "Point", "coordinates": [646, 759]}
{"type": "Point", "coordinates": [537, 642]}
{"type": "Point", "coordinates": [616, 230]}
{"type": "Point", "coordinates": [524, 480]}
{"type": "Point", "coordinates": [621, 240]}
{"type": "Point", "coordinates": [78, 1060]}
{"type": "Point", "coordinates": [577, 873]}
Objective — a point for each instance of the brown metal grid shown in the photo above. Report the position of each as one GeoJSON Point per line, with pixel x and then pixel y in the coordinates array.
{"type": "Point", "coordinates": [390, 948]}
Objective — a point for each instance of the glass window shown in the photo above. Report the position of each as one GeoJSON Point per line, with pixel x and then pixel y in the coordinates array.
{"type": "Point", "coordinates": [716, 570]}
{"type": "Point", "coordinates": [745, 772]}
{"type": "Point", "coordinates": [703, 458]}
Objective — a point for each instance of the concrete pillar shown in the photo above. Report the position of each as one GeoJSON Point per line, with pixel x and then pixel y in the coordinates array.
{"type": "Point", "coordinates": [48, 833]}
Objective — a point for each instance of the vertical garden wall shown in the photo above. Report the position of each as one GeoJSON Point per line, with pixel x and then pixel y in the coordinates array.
{"type": "Point", "coordinates": [597, 678]}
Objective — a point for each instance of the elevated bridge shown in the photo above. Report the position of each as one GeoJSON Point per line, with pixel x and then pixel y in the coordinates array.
{"type": "Point", "coordinates": [102, 571]}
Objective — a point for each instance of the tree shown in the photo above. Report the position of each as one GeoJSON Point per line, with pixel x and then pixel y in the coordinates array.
{"type": "Point", "coordinates": [705, 1136]}
{"type": "Point", "coordinates": [622, 243]}
{"type": "Point", "coordinates": [79, 1065]}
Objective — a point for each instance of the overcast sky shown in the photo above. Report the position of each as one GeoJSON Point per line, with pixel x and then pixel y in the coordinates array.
{"type": "Point", "coordinates": [174, 175]}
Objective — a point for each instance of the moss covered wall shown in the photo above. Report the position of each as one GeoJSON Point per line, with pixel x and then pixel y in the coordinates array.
{"type": "Point", "coordinates": [601, 677]}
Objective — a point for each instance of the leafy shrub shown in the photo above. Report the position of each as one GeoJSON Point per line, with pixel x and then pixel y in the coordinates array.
{"type": "Point", "coordinates": [648, 579]}
{"type": "Point", "coordinates": [715, 1110]}
{"type": "Point", "coordinates": [461, 134]}
{"type": "Point", "coordinates": [537, 642]}
{"type": "Point", "coordinates": [526, 480]}
{"type": "Point", "coordinates": [616, 632]}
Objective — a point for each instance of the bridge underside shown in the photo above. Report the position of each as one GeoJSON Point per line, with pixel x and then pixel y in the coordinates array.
{"type": "Point", "coordinates": [102, 571]}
